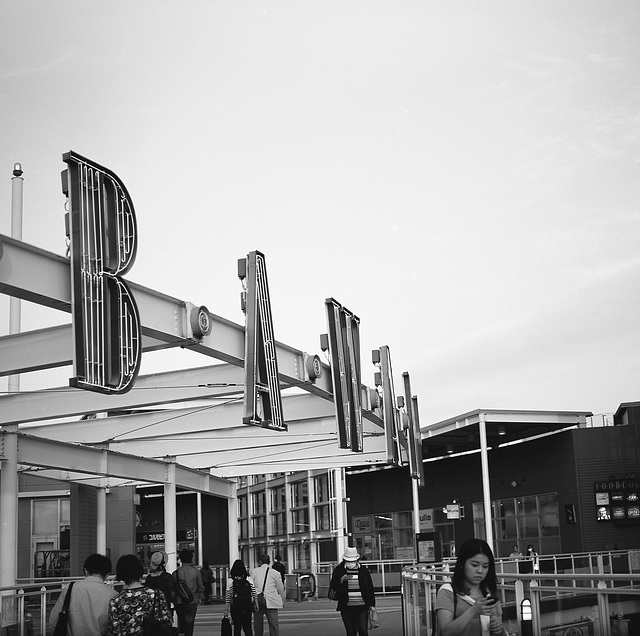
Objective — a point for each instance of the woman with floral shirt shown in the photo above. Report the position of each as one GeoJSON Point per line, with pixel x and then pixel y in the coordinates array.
{"type": "Point", "coordinates": [135, 602]}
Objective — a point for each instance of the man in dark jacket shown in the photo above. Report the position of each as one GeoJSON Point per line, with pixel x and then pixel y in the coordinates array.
{"type": "Point", "coordinates": [352, 587]}
{"type": "Point", "coordinates": [190, 574]}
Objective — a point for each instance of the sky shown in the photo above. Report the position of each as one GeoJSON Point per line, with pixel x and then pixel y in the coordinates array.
{"type": "Point", "coordinates": [463, 176]}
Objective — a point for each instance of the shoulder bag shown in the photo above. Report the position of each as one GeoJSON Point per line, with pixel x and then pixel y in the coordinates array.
{"type": "Point", "coordinates": [183, 591]}
{"type": "Point", "coordinates": [151, 626]}
{"type": "Point", "coordinates": [63, 617]}
{"type": "Point", "coordinates": [262, 601]}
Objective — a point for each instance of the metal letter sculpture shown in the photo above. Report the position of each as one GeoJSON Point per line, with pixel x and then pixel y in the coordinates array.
{"type": "Point", "coordinates": [106, 324]}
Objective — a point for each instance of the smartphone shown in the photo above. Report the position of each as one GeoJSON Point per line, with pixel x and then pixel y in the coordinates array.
{"type": "Point", "coordinates": [492, 600]}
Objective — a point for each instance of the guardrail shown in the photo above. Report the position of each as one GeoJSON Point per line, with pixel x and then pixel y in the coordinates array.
{"type": "Point", "coordinates": [24, 609]}
{"type": "Point", "coordinates": [537, 604]}
{"type": "Point", "coordinates": [386, 575]}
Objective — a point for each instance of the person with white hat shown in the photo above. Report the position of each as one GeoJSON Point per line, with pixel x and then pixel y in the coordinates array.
{"type": "Point", "coordinates": [352, 587]}
{"type": "Point", "coordinates": [159, 579]}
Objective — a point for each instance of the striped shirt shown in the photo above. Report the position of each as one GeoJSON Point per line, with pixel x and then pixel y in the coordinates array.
{"type": "Point", "coordinates": [355, 594]}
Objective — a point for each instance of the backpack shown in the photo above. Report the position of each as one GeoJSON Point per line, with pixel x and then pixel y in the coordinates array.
{"type": "Point", "coordinates": [242, 594]}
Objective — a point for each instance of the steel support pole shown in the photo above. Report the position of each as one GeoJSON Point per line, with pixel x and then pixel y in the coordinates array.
{"type": "Point", "coordinates": [486, 489]}
{"type": "Point", "coordinates": [199, 528]}
{"type": "Point", "coordinates": [416, 510]}
{"type": "Point", "coordinates": [9, 453]}
{"type": "Point", "coordinates": [170, 532]}
{"type": "Point", "coordinates": [101, 521]}
{"type": "Point", "coordinates": [232, 521]}
{"type": "Point", "coordinates": [339, 492]}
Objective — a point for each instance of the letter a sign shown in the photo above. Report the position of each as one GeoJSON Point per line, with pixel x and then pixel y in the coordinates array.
{"type": "Point", "coordinates": [262, 397]}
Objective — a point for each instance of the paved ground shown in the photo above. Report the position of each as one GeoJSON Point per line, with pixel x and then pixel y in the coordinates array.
{"type": "Point", "coordinates": [309, 618]}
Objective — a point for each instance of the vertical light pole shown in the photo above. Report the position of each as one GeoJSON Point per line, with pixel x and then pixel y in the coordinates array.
{"type": "Point", "coordinates": [9, 481]}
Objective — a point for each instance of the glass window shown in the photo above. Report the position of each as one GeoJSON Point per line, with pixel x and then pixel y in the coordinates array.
{"type": "Point", "coordinates": [303, 556]}
{"type": "Point", "coordinates": [280, 523]}
{"type": "Point", "coordinates": [403, 537]}
{"type": "Point", "coordinates": [507, 508]}
{"type": "Point", "coordinates": [528, 527]}
{"type": "Point", "coordinates": [323, 517]}
{"type": "Point", "coordinates": [45, 517]}
{"type": "Point", "coordinates": [381, 522]}
{"type": "Point", "coordinates": [322, 488]}
{"type": "Point", "coordinates": [548, 502]}
{"type": "Point", "coordinates": [259, 503]}
{"type": "Point", "coordinates": [300, 520]}
{"type": "Point", "coordinates": [528, 505]}
{"type": "Point", "coordinates": [259, 526]}
{"type": "Point", "coordinates": [299, 494]}
{"type": "Point", "coordinates": [65, 512]}
{"type": "Point", "coordinates": [549, 525]}
{"type": "Point", "coordinates": [278, 498]}
{"type": "Point", "coordinates": [526, 519]}
{"type": "Point", "coordinates": [242, 506]}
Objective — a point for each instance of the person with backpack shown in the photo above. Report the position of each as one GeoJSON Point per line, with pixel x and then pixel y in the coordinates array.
{"type": "Point", "coordinates": [241, 599]}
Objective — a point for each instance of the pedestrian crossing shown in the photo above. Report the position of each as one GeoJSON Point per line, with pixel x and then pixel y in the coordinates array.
{"type": "Point", "coordinates": [310, 618]}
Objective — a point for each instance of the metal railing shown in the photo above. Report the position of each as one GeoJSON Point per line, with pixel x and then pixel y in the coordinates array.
{"type": "Point", "coordinates": [386, 575]}
{"type": "Point", "coordinates": [595, 600]}
{"type": "Point", "coordinates": [24, 609]}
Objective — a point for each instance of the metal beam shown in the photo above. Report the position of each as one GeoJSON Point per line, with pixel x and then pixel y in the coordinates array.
{"type": "Point", "coordinates": [87, 460]}
{"type": "Point", "coordinates": [155, 389]}
{"type": "Point", "coordinates": [43, 277]}
{"type": "Point", "coordinates": [213, 437]}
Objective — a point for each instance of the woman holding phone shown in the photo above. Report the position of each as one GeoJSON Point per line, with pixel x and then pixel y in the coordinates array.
{"type": "Point", "coordinates": [469, 606]}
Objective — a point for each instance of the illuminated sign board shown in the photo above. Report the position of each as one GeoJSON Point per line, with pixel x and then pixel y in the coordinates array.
{"type": "Point", "coordinates": [618, 499]}
{"type": "Point", "coordinates": [344, 349]}
{"type": "Point", "coordinates": [262, 397]}
{"type": "Point", "coordinates": [103, 244]}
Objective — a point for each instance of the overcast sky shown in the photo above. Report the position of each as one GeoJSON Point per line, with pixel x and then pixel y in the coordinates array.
{"type": "Point", "coordinates": [463, 176]}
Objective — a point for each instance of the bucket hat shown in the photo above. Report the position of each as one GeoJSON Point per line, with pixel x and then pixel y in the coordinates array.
{"type": "Point", "coordinates": [350, 554]}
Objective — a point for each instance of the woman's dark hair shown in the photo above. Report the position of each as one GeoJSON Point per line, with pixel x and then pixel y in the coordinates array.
{"type": "Point", "coordinates": [238, 569]}
{"type": "Point", "coordinates": [468, 550]}
{"type": "Point", "coordinates": [129, 569]}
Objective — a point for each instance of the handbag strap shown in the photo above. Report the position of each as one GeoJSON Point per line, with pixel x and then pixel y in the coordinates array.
{"type": "Point", "coordinates": [264, 583]}
{"type": "Point", "coordinates": [67, 598]}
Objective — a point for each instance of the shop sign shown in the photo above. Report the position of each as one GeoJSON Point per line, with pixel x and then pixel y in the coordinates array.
{"type": "Point", "coordinates": [362, 525]}
{"type": "Point", "coordinates": [426, 520]}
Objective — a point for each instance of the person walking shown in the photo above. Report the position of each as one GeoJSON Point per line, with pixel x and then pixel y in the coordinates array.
{"type": "Point", "coordinates": [192, 578]}
{"type": "Point", "coordinates": [469, 605]}
{"type": "Point", "coordinates": [278, 565]}
{"type": "Point", "coordinates": [207, 581]}
{"type": "Point", "coordinates": [159, 579]}
{"type": "Point", "coordinates": [268, 582]}
{"type": "Point", "coordinates": [351, 585]}
{"type": "Point", "coordinates": [241, 599]}
{"type": "Point", "coordinates": [136, 602]}
{"type": "Point", "coordinates": [535, 558]}
{"type": "Point", "coordinates": [89, 601]}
